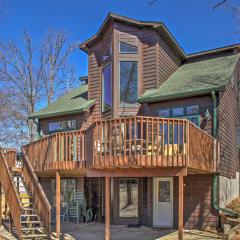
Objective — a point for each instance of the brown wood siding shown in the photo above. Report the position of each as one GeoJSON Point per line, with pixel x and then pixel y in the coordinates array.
{"type": "Point", "coordinates": [198, 210]}
{"type": "Point", "coordinates": [149, 40]}
{"type": "Point", "coordinates": [204, 102]}
{"type": "Point", "coordinates": [156, 62]}
{"type": "Point", "coordinates": [167, 62]}
{"type": "Point", "coordinates": [228, 121]}
{"type": "Point", "coordinates": [95, 60]}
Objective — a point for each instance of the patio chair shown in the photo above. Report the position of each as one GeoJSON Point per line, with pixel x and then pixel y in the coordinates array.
{"type": "Point", "coordinates": [64, 214]}
{"type": "Point", "coordinates": [73, 212]}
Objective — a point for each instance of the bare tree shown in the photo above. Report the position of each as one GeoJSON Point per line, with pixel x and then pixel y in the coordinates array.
{"type": "Point", "coordinates": [30, 76]}
{"type": "Point", "coordinates": [56, 71]}
{"type": "Point", "coordinates": [19, 75]}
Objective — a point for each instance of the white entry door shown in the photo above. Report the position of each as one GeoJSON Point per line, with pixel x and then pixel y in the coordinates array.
{"type": "Point", "coordinates": [163, 202]}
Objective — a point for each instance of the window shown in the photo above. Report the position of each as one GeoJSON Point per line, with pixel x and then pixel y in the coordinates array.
{"type": "Point", "coordinates": [128, 82]}
{"type": "Point", "coordinates": [164, 191]}
{"type": "Point", "coordinates": [107, 88]}
{"type": "Point", "coordinates": [178, 111]}
{"type": "Point", "coordinates": [192, 110]}
{"type": "Point", "coordinates": [128, 197]}
{"type": "Point", "coordinates": [62, 126]}
{"type": "Point", "coordinates": [127, 48]}
{"type": "Point", "coordinates": [108, 52]}
{"type": "Point", "coordinates": [68, 187]}
{"type": "Point", "coordinates": [164, 113]}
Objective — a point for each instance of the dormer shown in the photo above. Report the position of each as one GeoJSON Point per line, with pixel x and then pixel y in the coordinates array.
{"type": "Point", "coordinates": [126, 57]}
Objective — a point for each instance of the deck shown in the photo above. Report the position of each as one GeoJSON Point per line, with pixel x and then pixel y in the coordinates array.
{"type": "Point", "coordinates": [131, 142]}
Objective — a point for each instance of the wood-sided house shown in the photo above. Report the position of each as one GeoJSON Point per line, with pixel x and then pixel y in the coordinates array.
{"type": "Point", "coordinates": [152, 135]}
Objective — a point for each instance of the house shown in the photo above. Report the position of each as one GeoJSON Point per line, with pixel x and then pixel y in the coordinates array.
{"type": "Point", "coordinates": [151, 137]}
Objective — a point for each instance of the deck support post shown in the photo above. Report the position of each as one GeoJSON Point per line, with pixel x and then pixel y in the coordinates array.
{"type": "Point", "coordinates": [107, 208]}
{"type": "Point", "coordinates": [58, 202]}
{"type": "Point", "coordinates": [180, 207]}
{"type": "Point", "coordinates": [1, 211]}
{"type": "Point", "coordinates": [10, 223]}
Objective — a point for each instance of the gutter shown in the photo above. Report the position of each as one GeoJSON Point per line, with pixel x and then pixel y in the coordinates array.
{"type": "Point", "coordinates": [215, 197]}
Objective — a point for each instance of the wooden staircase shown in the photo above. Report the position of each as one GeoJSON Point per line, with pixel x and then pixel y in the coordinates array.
{"type": "Point", "coordinates": [28, 205]}
{"type": "Point", "coordinates": [31, 225]}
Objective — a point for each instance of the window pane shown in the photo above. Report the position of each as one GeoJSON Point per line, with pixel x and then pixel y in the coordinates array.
{"type": "Point", "coordinates": [108, 52]}
{"type": "Point", "coordinates": [165, 113]}
{"type": "Point", "coordinates": [128, 198]}
{"type": "Point", "coordinates": [164, 191]}
{"type": "Point", "coordinates": [178, 111]}
{"type": "Point", "coordinates": [107, 88]}
{"type": "Point", "coordinates": [192, 110]}
{"type": "Point", "coordinates": [127, 48]}
{"type": "Point", "coordinates": [128, 82]}
{"type": "Point", "coordinates": [62, 126]}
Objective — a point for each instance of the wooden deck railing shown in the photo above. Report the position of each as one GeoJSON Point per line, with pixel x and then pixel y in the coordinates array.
{"type": "Point", "coordinates": [151, 142]}
{"type": "Point", "coordinates": [140, 142]}
{"type": "Point", "coordinates": [10, 191]}
{"type": "Point", "coordinates": [203, 149]}
{"type": "Point", "coordinates": [60, 151]}
{"type": "Point", "coordinates": [11, 156]}
{"type": "Point", "coordinates": [41, 203]}
{"type": "Point", "coordinates": [126, 142]}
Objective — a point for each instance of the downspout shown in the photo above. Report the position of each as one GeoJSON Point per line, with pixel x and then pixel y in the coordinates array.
{"type": "Point", "coordinates": [215, 202]}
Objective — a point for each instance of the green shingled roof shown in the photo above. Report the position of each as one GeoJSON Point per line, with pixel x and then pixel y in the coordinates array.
{"type": "Point", "coordinates": [74, 101]}
{"type": "Point", "coordinates": [194, 78]}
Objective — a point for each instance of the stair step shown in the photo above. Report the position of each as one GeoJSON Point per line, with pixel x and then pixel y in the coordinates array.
{"type": "Point", "coordinates": [29, 215]}
{"type": "Point", "coordinates": [32, 236]}
{"type": "Point", "coordinates": [33, 228]}
{"type": "Point", "coordinates": [32, 221]}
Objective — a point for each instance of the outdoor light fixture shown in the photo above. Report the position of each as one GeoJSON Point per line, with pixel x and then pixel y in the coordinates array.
{"type": "Point", "coordinates": [207, 115]}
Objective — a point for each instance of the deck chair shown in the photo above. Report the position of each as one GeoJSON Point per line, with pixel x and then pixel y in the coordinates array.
{"type": "Point", "coordinates": [73, 212]}
{"type": "Point", "coordinates": [80, 200]}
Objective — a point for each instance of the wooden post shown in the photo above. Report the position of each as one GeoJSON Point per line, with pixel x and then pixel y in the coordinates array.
{"type": "Point", "coordinates": [1, 204]}
{"type": "Point", "coordinates": [180, 208]}
{"type": "Point", "coordinates": [107, 208]}
{"type": "Point", "coordinates": [58, 202]}
{"type": "Point", "coordinates": [10, 223]}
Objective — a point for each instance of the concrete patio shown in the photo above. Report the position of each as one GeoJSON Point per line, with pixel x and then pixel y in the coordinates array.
{"type": "Point", "coordinates": [95, 231]}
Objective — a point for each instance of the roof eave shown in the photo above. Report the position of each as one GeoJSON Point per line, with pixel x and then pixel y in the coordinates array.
{"type": "Point", "coordinates": [42, 116]}
{"type": "Point", "coordinates": [180, 95]}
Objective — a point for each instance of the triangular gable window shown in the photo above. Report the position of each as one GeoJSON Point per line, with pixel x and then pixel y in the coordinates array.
{"type": "Point", "coordinates": [127, 48]}
{"type": "Point", "coordinates": [108, 52]}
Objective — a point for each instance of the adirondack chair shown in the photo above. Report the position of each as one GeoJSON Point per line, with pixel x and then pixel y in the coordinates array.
{"type": "Point", "coordinates": [80, 200]}
{"type": "Point", "coordinates": [73, 212]}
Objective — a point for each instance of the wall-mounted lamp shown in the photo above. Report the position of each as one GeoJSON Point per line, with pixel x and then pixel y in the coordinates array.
{"type": "Point", "coordinates": [207, 115]}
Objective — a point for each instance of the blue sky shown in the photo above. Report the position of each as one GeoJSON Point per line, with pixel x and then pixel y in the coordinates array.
{"type": "Point", "coordinates": [193, 23]}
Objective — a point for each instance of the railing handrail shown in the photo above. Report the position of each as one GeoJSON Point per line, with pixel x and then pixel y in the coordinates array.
{"type": "Point", "coordinates": [53, 135]}
{"type": "Point", "coordinates": [37, 188]}
{"type": "Point", "coordinates": [10, 189]}
{"type": "Point", "coordinates": [140, 117]}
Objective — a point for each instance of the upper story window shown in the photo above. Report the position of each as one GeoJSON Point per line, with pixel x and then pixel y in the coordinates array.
{"type": "Point", "coordinates": [62, 126]}
{"type": "Point", "coordinates": [107, 87]}
{"type": "Point", "coordinates": [108, 52]}
{"type": "Point", "coordinates": [128, 82]}
{"type": "Point", "coordinates": [190, 112]}
{"type": "Point", "coordinates": [127, 48]}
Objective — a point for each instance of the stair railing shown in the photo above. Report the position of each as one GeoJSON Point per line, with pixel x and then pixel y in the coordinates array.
{"type": "Point", "coordinates": [40, 200]}
{"type": "Point", "coordinates": [11, 194]}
